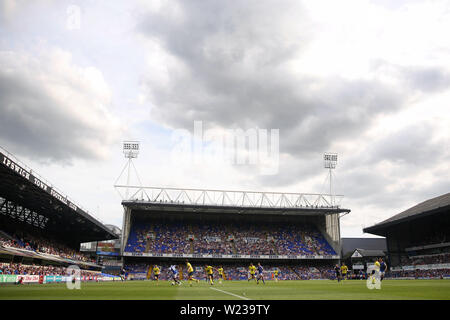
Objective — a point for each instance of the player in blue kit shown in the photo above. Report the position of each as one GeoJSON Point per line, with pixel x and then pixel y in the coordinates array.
{"type": "Point", "coordinates": [383, 267]}
{"type": "Point", "coordinates": [174, 271]}
{"type": "Point", "coordinates": [260, 274]}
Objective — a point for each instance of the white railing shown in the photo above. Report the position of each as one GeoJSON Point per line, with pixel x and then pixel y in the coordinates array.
{"type": "Point", "coordinates": [228, 198]}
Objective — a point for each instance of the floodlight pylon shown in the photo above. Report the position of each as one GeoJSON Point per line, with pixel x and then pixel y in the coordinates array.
{"type": "Point", "coordinates": [130, 151]}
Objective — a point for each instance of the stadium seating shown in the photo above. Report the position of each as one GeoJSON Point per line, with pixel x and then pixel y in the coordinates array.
{"type": "Point", "coordinates": [431, 259]}
{"type": "Point", "coordinates": [417, 274]}
{"type": "Point", "coordinates": [23, 269]}
{"type": "Point", "coordinates": [227, 238]}
{"type": "Point", "coordinates": [210, 239]}
{"type": "Point", "coordinates": [33, 243]}
{"type": "Point", "coordinates": [422, 259]}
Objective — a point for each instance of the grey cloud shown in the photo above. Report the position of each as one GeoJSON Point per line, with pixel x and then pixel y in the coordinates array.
{"type": "Point", "coordinates": [416, 78]}
{"type": "Point", "coordinates": [394, 5]}
{"type": "Point", "coordinates": [409, 151]}
{"type": "Point", "coordinates": [294, 168]}
{"type": "Point", "coordinates": [428, 79]}
{"type": "Point", "coordinates": [234, 74]}
{"type": "Point", "coordinates": [413, 145]}
{"type": "Point", "coordinates": [39, 122]}
{"type": "Point", "coordinates": [363, 186]}
{"type": "Point", "coordinates": [232, 71]}
{"type": "Point", "coordinates": [408, 196]}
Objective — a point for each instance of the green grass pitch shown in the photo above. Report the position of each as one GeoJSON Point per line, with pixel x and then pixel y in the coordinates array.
{"type": "Point", "coordinates": [235, 290]}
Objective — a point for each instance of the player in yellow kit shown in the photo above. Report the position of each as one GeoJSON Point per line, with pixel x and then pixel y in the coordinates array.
{"type": "Point", "coordinates": [209, 274]}
{"type": "Point", "coordinates": [275, 275]}
{"type": "Point", "coordinates": [190, 273]}
{"type": "Point", "coordinates": [251, 270]}
{"type": "Point", "coordinates": [377, 265]}
{"type": "Point", "coordinates": [344, 270]}
{"type": "Point", "coordinates": [221, 274]}
{"type": "Point", "coordinates": [377, 269]}
{"type": "Point", "coordinates": [156, 272]}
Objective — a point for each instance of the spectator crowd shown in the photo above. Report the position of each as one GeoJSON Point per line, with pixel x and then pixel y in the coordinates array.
{"type": "Point", "coordinates": [436, 273]}
{"type": "Point", "coordinates": [227, 238]}
{"type": "Point", "coordinates": [41, 245]}
{"type": "Point", "coordinates": [23, 269]}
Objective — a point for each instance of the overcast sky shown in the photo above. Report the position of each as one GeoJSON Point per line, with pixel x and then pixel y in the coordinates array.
{"type": "Point", "coordinates": [369, 80]}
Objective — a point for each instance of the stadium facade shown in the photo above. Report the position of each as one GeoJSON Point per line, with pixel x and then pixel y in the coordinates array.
{"type": "Point", "coordinates": [41, 229]}
{"type": "Point", "coordinates": [168, 225]}
{"type": "Point", "coordinates": [418, 239]}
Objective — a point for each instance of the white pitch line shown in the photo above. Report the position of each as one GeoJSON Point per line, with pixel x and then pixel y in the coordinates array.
{"type": "Point", "coordinates": [232, 294]}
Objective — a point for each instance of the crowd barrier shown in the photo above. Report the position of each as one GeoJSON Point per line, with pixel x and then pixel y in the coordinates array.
{"type": "Point", "coordinates": [8, 278]}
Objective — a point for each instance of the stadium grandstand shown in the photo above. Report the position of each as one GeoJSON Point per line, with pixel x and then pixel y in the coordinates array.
{"type": "Point", "coordinates": [418, 239]}
{"type": "Point", "coordinates": [41, 229]}
{"type": "Point", "coordinates": [296, 234]}
{"type": "Point", "coordinates": [106, 253]}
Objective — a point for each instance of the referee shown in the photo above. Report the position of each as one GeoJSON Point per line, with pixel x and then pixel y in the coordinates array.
{"type": "Point", "coordinates": [337, 269]}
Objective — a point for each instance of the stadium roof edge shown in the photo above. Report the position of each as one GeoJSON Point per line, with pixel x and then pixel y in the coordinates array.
{"type": "Point", "coordinates": [427, 207]}
{"type": "Point", "coordinates": [179, 207]}
{"type": "Point", "coordinates": [15, 167]}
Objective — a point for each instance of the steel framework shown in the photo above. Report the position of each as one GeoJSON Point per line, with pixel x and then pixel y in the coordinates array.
{"type": "Point", "coordinates": [251, 199]}
{"type": "Point", "coordinates": [20, 213]}
{"type": "Point", "coordinates": [45, 181]}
